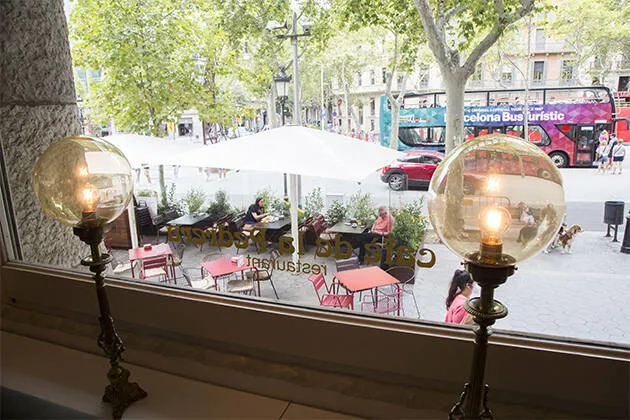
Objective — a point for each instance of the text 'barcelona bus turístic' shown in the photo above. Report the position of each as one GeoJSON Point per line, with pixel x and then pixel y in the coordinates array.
{"type": "Point", "coordinates": [563, 122]}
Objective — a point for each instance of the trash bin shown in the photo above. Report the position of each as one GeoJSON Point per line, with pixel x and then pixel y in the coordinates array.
{"type": "Point", "coordinates": [613, 212]}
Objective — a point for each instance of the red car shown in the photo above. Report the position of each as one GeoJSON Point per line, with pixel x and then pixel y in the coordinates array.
{"type": "Point", "coordinates": [413, 170]}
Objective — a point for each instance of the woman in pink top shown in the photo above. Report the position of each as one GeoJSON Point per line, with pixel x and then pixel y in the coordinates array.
{"type": "Point", "coordinates": [458, 293]}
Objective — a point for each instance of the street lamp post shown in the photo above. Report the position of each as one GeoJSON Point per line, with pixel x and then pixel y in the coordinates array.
{"type": "Point", "coordinates": [294, 35]}
{"type": "Point", "coordinates": [281, 82]}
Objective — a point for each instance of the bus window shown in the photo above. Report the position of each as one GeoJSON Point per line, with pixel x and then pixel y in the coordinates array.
{"type": "Point", "coordinates": [469, 133]}
{"type": "Point", "coordinates": [514, 130]}
{"type": "Point", "coordinates": [476, 99]}
{"type": "Point", "coordinates": [436, 135]}
{"type": "Point", "coordinates": [535, 97]}
{"type": "Point", "coordinates": [538, 136]}
{"type": "Point", "coordinates": [440, 100]}
{"type": "Point", "coordinates": [566, 129]}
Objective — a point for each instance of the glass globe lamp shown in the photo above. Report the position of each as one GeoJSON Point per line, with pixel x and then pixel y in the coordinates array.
{"type": "Point", "coordinates": [79, 177]}
{"type": "Point", "coordinates": [496, 200]}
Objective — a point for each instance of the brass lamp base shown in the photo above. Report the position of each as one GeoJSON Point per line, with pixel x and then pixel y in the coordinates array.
{"type": "Point", "coordinates": [120, 393]}
{"type": "Point", "coordinates": [485, 311]}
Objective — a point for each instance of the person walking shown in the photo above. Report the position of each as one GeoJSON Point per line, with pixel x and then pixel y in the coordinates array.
{"type": "Point", "coordinates": [611, 145]}
{"type": "Point", "coordinates": [618, 154]}
{"type": "Point", "coordinates": [459, 292]}
{"type": "Point", "coordinates": [602, 156]}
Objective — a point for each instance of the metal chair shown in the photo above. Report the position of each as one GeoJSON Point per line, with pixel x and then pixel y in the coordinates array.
{"type": "Point", "coordinates": [246, 286]}
{"type": "Point", "coordinates": [329, 298]}
{"type": "Point", "coordinates": [388, 300]}
{"type": "Point", "coordinates": [264, 274]}
{"type": "Point", "coordinates": [178, 254]}
{"type": "Point", "coordinates": [407, 278]}
{"type": "Point", "coordinates": [197, 281]}
{"type": "Point", "coordinates": [155, 267]}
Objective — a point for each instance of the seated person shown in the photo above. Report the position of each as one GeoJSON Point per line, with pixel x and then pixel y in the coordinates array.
{"type": "Point", "coordinates": [383, 226]}
{"type": "Point", "coordinates": [255, 213]}
{"type": "Point", "coordinates": [528, 232]}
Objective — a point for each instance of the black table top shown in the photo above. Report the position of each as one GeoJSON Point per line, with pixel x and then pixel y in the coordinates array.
{"type": "Point", "coordinates": [189, 220]}
{"type": "Point", "coordinates": [277, 225]}
{"type": "Point", "coordinates": [342, 227]}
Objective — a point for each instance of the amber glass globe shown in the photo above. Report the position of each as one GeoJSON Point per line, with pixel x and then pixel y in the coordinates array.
{"type": "Point", "coordinates": [496, 200]}
{"type": "Point", "coordinates": [82, 176]}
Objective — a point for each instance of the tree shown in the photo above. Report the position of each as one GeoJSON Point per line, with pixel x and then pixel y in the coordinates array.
{"type": "Point", "coordinates": [141, 47]}
{"type": "Point", "coordinates": [400, 20]}
{"type": "Point", "coordinates": [597, 32]}
{"type": "Point", "coordinates": [450, 27]}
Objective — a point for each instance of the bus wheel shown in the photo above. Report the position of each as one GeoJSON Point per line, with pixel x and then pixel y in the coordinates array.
{"type": "Point", "coordinates": [396, 181]}
{"type": "Point", "coordinates": [560, 159]}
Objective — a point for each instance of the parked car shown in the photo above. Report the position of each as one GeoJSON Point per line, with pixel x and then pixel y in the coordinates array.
{"type": "Point", "coordinates": [413, 170]}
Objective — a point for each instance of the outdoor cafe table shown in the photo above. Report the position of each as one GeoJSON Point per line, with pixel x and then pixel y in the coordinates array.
{"type": "Point", "coordinates": [275, 229]}
{"type": "Point", "coordinates": [361, 279]}
{"type": "Point", "coordinates": [223, 267]}
{"type": "Point", "coordinates": [137, 254]}
{"type": "Point", "coordinates": [347, 232]}
{"type": "Point", "coordinates": [189, 220]}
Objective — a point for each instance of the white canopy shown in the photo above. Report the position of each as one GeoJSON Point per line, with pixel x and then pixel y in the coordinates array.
{"type": "Point", "coordinates": [148, 150]}
{"type": "Point", "coordinates": [295, 150]}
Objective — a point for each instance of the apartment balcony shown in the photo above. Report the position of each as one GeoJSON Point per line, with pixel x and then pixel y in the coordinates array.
{"type": "Point", "coordinates": [549, 47]}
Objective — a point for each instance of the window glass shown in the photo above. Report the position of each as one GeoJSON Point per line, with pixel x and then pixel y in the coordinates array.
{"type": "Point", "coordinates": [193, 211]}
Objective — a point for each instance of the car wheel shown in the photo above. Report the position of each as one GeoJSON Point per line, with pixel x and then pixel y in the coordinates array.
{"type": "Point", "coordinates": [560, 159]}
{"type": "Point", "coordinates": [396, 182]}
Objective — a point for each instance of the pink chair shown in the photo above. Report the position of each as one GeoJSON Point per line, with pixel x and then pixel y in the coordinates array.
{"type": "Point", "coordinates": [155, 267]}
{"type": "Point", "coordinates": [387, 300]}
{"type": "Point", "coordinates": [329, 299]}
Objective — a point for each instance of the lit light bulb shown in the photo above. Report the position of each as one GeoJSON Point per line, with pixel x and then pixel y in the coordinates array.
{"type": "Point", "coordinates": [83, 172]}
{"type": "Point", "coordinates": [89, 198]}
{"type": "Point", "coordinates": [493, 184]}
{"type": "Point", "coordinates": [493, 221]}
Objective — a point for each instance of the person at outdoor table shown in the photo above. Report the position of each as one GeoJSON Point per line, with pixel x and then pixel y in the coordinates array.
{"type": "Point", "coordinates": [383, 226]}
{"type": "Point", "coordinates": [255, 213]}
{"type": "Point", "coordinates": [459, 292]}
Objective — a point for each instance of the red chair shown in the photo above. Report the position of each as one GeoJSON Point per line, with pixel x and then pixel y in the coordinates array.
{"type": "Point", "coordinates": [385, 302]}
{"type": "Point", "coordinates": [155, 267]}
{"type": "Point", "coordinates": [328, 298]}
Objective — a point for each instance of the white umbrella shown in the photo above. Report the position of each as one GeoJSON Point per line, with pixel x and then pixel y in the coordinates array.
{"type": "Point", "coordinates": [295, 150]}
{"type": "Point", "coordinates": [149, 150]}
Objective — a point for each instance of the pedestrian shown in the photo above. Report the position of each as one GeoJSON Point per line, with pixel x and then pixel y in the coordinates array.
{"type": "Point", "coordinates": [602, 155]}
{"type": "Point", "coordinates": [528, 232]}
{"type": "Point", "coordinates": [459, 292]}
{"type": "Point", "coordinates": [147, 172]}
{"type": "Point", "coordinates": [618, 154]}
{"type": "Point", "coordinates": [137, 171]}
{"type": "Point", "coordinates": [611, 145]}
{"type": "Point", "coordinates": [603, 136]}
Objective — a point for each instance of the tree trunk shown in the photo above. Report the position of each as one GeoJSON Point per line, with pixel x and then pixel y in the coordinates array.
{"type": "Point", "coordinates": [455, 85]}
{"type": "Point", "coordinates": [271, 109]}
{"type": "Point", "coordinates": [393, 136]}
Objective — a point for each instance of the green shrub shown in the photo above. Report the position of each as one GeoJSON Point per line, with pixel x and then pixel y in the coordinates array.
{"type": "Point", "coordinates": [271, 201]}
{"type": "Point", "coordinates": [336, 212]}
{"type": "Point", "coordinates": [411, 225]}
{"type": "Point", "coordinates": [171, 202]}
{"type": "Point", "coordinates": [314, 202]}
{"type": "Point", "coordinates": [220, 206]}
{"type": "Point", "coordinates": [194, 199]}
{"type": "Point", "coordinates": [147, 193]}
{"type": "Point", "coordinates": [362, 208]}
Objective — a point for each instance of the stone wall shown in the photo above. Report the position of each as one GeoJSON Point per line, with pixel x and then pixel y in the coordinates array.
{"type": "Point", "coordinates": [37, 106]}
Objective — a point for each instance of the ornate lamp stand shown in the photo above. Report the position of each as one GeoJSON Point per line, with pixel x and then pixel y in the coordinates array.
{"type": "Point", "coordinates": [120, 393]}
{"type": "Point", "coordinates": [485, 310]}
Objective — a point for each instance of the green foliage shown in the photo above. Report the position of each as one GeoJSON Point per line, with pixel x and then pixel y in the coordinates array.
{"type": "Point", "coordinates": [271, 201]}
{"type": "Point", "coordinates": [362, 208]}
{"type": "Point", "coordinates": [194, 199]}
{"type": "Point", "coordinates": [146, 193]}
{"type": "Point", "coordinates": [171, 202]}
{"type": "Point", "coordinates": [314, 202]}
{"type": "Point", "coordinates": [411, 224]}
{"type": "Point", "coordinates": [220, 206]}
{"type": "Point", "coordinates": [336, 212]}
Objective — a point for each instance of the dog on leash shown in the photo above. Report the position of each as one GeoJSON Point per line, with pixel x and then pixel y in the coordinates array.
{"type": "Point", "coordinates": [566, 238]}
